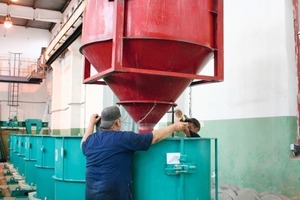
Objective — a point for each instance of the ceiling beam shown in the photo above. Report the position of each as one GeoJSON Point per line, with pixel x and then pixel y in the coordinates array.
{"type": "Point", "coordinates": [66, 35]}
{"type": "Point", "coordinates": [25, 12]}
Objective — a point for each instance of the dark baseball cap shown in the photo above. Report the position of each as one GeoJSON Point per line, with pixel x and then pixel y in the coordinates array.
{"type": "Point", "coordinates": [108, 116]}
{"type": "Point", "coordinates": [194, 121]}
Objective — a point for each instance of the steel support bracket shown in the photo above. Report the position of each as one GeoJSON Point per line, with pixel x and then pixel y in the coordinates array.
{"type": "Point", "coordinates": [182, 168]}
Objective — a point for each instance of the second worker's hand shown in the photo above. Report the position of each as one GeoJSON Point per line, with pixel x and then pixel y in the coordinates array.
{"type": "Point", "coordinates": [179, 126]}
{"type": "Point", "coordinates": [178, 113]}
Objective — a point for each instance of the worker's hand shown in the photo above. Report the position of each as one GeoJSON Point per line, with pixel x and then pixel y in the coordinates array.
{"type": "Point", "coordinates": [180, 126]}
{"type": "Point", "coordinates": [187, 132]}
{"type": "Point", "coordinates": [95, 118]}
{"type": "Point", "coordinates": [178, 113]}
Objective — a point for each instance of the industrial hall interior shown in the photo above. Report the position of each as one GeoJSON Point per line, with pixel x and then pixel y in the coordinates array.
{"type": "Point", "coordinates": [174, 99]}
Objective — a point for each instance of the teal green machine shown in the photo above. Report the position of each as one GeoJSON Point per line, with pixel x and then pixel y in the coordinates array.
{"type": "Point", "coordinates": [45, 167]}
{"type": "Point", "coordinates": [15, 150]}
{"type": "Point", "coordinates": [20, 164]}
{"type": "Point", "coordinates": [13, 156]}
{"type": "Point", "coordinates": [12, 148]}
{"type": "Point", "coordinates": [30, 158]}
{"type": "Point", "coordinates": [176, 169]}
{"type": "Point", "coordinates": [28, 124]}
{"type": "Point", "coordinates": [37, 123]}
{"type": "Point", "coordinates": [70, 168]}
{"type": "Point", "coordinates": [14, 124]}
{"type": "Point", "coordinates": [17, 143]}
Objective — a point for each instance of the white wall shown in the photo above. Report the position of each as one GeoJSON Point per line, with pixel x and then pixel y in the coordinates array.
{"type": "Point", "coordinates": [32, 98]}
{"type": "Point", "coordinates": [72, 102]}
{"type": "Point", "coordinates": [259, 64]}
{"type": "Point", "coordinates": [27, 41]}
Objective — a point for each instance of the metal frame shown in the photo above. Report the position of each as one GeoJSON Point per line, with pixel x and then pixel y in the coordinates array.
{"type": "Point", "coordinates": [118, 37]}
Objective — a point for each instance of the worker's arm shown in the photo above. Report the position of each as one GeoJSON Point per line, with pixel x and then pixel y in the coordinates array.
{"type": "Point", "coordinates": [162, 133]}
{"type": "Point", "coordinates": [90, 129]}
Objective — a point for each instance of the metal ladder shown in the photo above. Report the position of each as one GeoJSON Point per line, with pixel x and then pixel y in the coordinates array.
{"type": "Point", "coordinates": [13, 88]}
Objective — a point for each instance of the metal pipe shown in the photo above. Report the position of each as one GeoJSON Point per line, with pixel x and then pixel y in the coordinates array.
{"type": "Point", "coordinates": [216, 169]}
{"type": "Point", "coordinates": [297, 51]}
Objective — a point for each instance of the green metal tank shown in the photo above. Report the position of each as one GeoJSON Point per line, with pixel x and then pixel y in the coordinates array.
{"type": "Point", "coordinates": [30, 159]}
{"type": "Point", "coordinates": [69, 168]}
{"type": "Point", "coordinates": [176, 168]}
{"type": "Point", "coordinates": [45, 167]}
{"type": "Point", "coordinates": [21, 155]}
{"type": "Point", "coordinates": [11, 142]}
{"type": "Point", "coordinates": [14, 153]}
